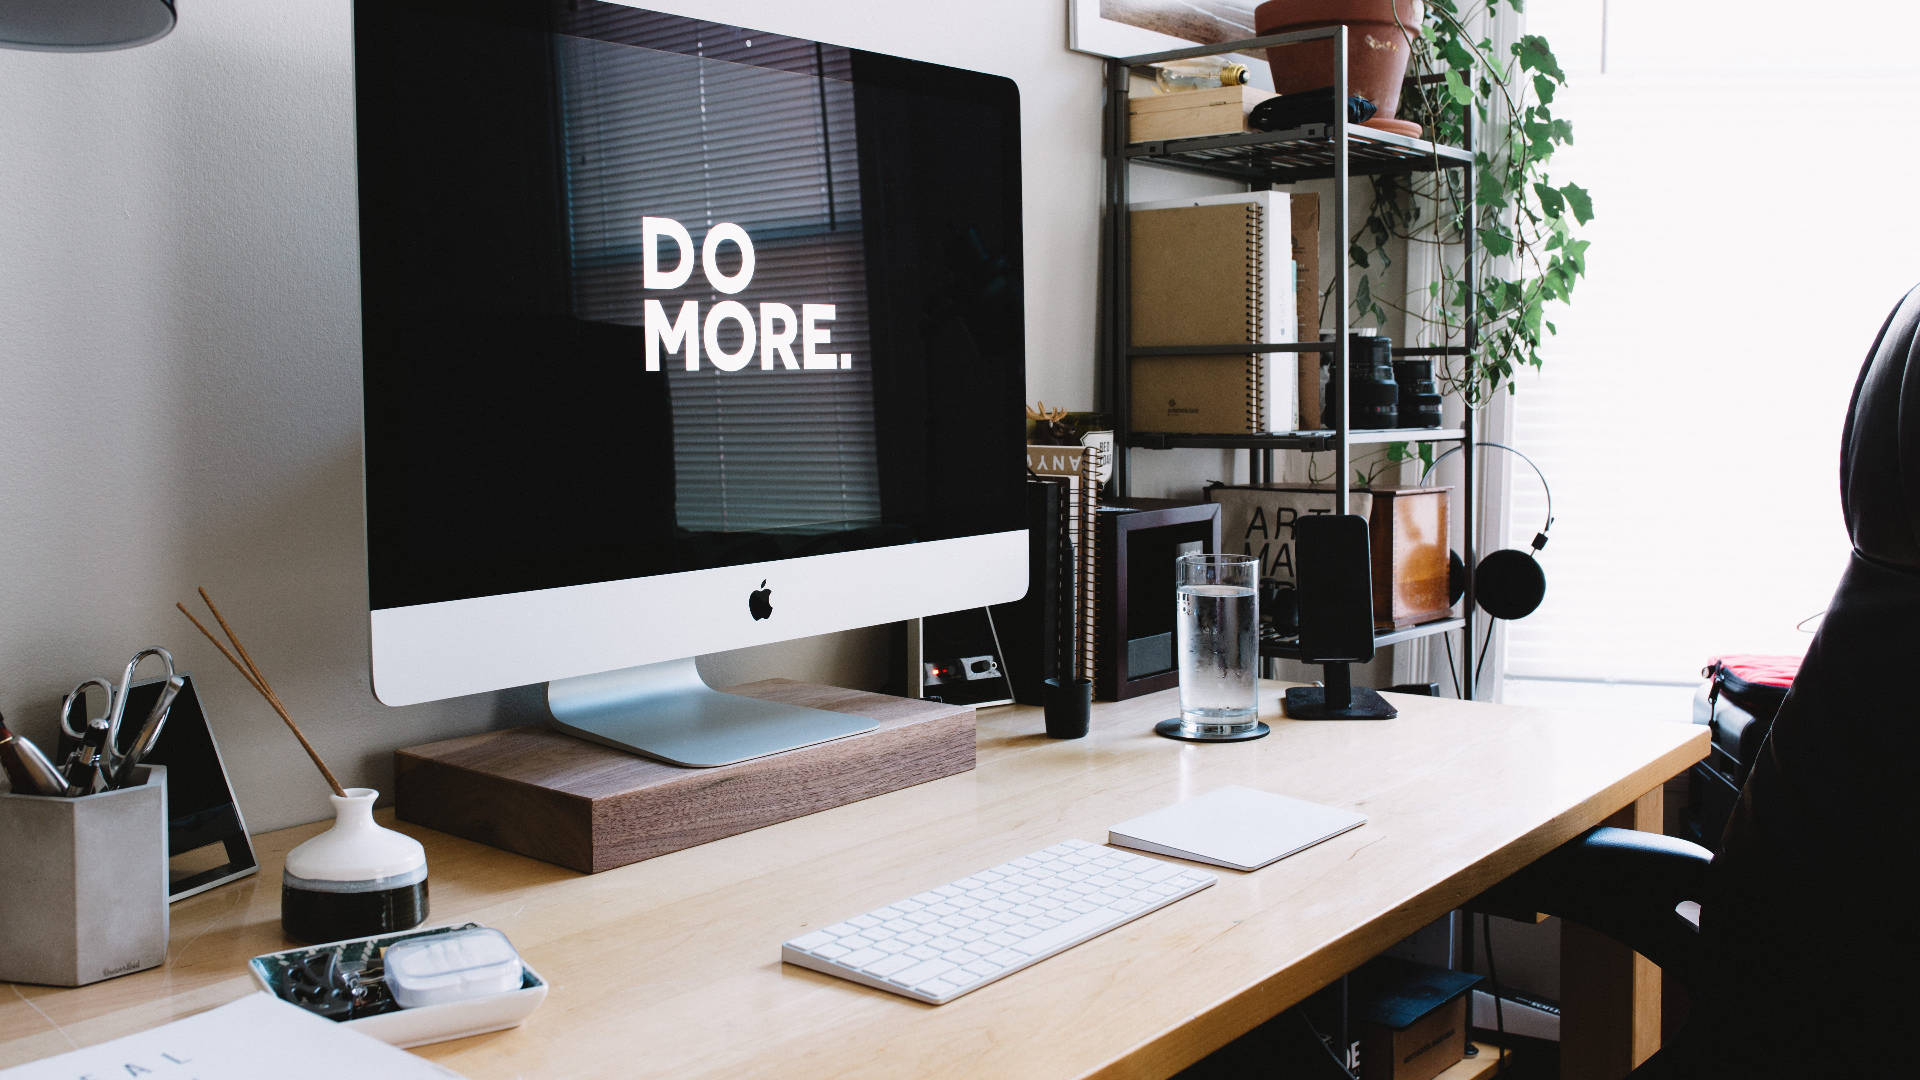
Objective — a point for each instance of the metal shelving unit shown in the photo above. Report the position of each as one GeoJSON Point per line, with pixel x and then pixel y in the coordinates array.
{"type": "Point", "coordinates": [1338, 150]}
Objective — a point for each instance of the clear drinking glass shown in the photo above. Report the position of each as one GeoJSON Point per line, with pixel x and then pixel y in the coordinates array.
{"type": "Point", "coordinates": [1217, 630]}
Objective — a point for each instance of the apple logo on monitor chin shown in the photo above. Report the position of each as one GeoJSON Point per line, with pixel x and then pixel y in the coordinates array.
{"type": "Point", "coordinates": [760, 602]}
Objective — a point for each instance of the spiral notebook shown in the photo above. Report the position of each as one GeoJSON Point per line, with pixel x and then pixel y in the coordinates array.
{"type": "Point", "coordinates": [1236, 827]}
{"type": "Point", "coordinates": [1205, 271]}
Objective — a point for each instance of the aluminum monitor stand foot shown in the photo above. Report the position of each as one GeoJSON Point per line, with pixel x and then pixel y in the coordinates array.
{"type": "Point", "coordinates": [667, 711]}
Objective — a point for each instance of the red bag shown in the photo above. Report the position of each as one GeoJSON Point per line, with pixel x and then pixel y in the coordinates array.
{"type": "Point", "coordinates": [1757, 684]}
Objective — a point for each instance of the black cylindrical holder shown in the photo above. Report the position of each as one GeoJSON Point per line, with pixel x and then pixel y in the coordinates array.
{"type": "Point", "coordinates": [1376, 399]}
{"type": "Point", "coordinates": [1419, 393]}
{"type": "Point", "coordinates": [1069, 707]}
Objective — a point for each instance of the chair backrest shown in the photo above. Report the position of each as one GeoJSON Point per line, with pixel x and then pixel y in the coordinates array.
{"type": "Point", "coordinates": [1806, 930]}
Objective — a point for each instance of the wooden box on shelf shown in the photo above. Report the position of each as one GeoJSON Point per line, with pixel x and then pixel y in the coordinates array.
{"type": "Point", "coordinates": [1408, 531]}
{"type": "Point", "coordinates": [1187, 114]}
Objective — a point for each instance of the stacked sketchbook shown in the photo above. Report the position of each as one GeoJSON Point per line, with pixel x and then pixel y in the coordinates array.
{"type": "Point", "coordinates": [1214, 270]}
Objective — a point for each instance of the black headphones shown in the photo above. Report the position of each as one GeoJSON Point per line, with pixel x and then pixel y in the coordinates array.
{"type": "Point", "coordinates": [1510, 583]}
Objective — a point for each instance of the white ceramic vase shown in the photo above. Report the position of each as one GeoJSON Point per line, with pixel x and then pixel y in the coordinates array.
{"type": "Point", "coordinates": [354, 880]}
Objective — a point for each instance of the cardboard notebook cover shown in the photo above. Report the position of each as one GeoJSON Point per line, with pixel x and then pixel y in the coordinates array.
{"type": "Point", "coordinates": [1196, 279]}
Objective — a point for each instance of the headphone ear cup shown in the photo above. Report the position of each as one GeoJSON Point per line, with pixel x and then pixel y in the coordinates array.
{"type": "Point", "coordinates": [1510, 584]}
{"type": "Point", "coordinates": [1456, 578]}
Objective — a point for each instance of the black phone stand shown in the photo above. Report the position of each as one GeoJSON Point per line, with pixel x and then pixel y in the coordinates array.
{"type": "Point", "coordinates": [1337, 700]}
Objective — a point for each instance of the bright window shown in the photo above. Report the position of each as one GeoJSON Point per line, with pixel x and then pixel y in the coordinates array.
{"type": "Point", "coordinates": [1751, 170]}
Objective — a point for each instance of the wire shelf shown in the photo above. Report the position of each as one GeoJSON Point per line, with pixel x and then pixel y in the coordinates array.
{"type": "Point", "coordinates": [1303, 153]}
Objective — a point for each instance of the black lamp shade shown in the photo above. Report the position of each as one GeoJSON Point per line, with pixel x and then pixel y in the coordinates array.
{"type": "Point", "coordinates": [83, 25]}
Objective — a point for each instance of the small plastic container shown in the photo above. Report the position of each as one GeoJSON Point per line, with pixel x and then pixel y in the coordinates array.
{"type": "Point", "coordinates": [444, 968]}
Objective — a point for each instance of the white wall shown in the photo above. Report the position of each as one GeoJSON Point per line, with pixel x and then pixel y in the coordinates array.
{"type": "Point", "coordinates": [179, 359]}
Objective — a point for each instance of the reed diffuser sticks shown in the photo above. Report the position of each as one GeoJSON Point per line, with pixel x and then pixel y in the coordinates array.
{"type": "Point", "coordinates": [251, 672]}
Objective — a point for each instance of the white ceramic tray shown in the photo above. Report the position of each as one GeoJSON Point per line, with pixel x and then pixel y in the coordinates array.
{"type": "Point", "coordinates": [427, 1023]}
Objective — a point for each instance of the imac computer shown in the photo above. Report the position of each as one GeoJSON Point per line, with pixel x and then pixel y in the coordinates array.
{"type": "Point", "coordinates": [679, 337]}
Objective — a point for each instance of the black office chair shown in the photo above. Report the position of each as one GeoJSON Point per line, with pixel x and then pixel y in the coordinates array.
{"type": "Point", "coordinates": [1804, 960]}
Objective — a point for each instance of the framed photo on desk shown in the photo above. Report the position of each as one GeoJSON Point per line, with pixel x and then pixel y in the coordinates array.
{"type": "Point", "coordinates": [1133, 615]}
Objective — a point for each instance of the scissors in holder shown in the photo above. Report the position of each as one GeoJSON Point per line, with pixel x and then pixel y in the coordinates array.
{"type": "Point", "coordinates": [100, 761]}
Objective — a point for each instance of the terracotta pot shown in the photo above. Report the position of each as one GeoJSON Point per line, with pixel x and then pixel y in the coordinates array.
{"type": "Point", "coordinates": [1377, 47]}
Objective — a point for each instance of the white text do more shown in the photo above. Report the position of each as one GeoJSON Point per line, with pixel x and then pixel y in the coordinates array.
{"type": "Point", "coordinates": [771, 332]}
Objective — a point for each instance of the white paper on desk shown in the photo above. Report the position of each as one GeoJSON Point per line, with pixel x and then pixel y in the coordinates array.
{"type": "Point", "coordinates": [1235, 827]}
{"type": "Point", "coordinates": [257, 1036]}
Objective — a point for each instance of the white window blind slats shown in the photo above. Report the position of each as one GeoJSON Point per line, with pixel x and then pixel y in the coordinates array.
{"type": "Point", "coordinates": [703, 142]}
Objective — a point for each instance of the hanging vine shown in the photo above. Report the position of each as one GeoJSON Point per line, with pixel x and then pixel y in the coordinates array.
{"type": "Point", "coordinates": [1528, 255]}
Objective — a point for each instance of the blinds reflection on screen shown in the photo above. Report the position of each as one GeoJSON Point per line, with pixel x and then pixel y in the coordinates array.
{"type": "Point", "coordinates": [702, 141]}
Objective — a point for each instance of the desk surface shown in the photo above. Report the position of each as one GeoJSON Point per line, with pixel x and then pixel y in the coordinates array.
{"type": "Point", "coordinates": [671, 967]}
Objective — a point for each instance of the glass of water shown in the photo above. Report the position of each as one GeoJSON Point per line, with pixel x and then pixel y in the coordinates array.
{"type": "Point", "coordinates": [1217, 630]}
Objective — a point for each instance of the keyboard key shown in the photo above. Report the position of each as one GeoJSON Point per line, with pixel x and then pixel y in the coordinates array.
{"type": "Point", "coordinates": [812, 941]}
{"type": "Point", "coordinates": [938, 988]}
{"type": "Point", "coordinates": [891, 964]}
{"type": "Point", "coordinates": [831, 952]}
{"type": "Point", "coordinates": [921, 972]}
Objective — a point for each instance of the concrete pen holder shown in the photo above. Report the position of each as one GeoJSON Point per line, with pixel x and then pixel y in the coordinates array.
{"type": "Point", "coordinates": [83, 883]}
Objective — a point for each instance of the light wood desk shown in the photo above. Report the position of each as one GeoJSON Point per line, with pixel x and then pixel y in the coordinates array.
{"type": "Point", "coordinates": [671, 967]}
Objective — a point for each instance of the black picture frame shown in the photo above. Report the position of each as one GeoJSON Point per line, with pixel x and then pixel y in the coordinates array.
{"type": "Point", "coordinates": [1134, 602]}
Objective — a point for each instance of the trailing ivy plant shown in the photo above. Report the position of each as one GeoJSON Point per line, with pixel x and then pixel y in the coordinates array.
{"type": "Point", "coordinates": [1527, 254]}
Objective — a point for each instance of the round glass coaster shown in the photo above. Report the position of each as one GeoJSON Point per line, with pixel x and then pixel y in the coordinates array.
{"type": "Point", "coordinates": [1173, 729]}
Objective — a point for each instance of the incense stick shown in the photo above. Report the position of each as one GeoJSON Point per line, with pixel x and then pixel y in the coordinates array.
{"type": "Point", "coordinates": [251, 672]}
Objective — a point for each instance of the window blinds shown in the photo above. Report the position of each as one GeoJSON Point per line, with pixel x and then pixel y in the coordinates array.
{"type": "Point", "coordinates": [704, 139]}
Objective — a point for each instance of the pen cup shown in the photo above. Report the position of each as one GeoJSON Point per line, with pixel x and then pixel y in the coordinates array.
{"type": "Point", "coordinates": [83, 883]}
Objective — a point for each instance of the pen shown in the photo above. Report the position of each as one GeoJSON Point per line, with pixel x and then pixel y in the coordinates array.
{"type": "Point", "coordinates": [149, 733]}
{"type": "Point", "coordinates": [28, 770]}
{"type": "Point", "coordinates": [89, 761]}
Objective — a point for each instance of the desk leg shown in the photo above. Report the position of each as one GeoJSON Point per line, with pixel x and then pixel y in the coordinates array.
{"type": "Point", "coordinates": [1609, 994]}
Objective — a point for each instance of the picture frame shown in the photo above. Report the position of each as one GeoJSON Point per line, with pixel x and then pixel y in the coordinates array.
{"type": "Point", "coordinates": [1134, 644]}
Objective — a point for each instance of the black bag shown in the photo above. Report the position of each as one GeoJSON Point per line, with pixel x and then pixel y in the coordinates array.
{"type": "Point", "coordinates": [1742, 695]}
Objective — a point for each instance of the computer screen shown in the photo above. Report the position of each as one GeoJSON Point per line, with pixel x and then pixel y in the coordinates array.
{"type": "Point", "coordinates": [678, 337]}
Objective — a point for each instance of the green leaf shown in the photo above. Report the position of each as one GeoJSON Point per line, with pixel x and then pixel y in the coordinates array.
{"type": "Point", "coordinates": [1580, 201]}
{"type": "Point", "coordinates": [1457, 89]}
{"type": "Point", "coordinates": [1543, 88]}
{"type": "Point", "coordinates": [1535, 55]}
{"type": "Point", "coordinates": [1550, 200]}
{"type": "Point", "coordinates": [1496, 242]}
{"type": "Point", "coordinates": [1455, 54]}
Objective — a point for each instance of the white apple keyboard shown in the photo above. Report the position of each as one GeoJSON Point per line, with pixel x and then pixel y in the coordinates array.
{"type": "Point", "coordinates": [937, 945]}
